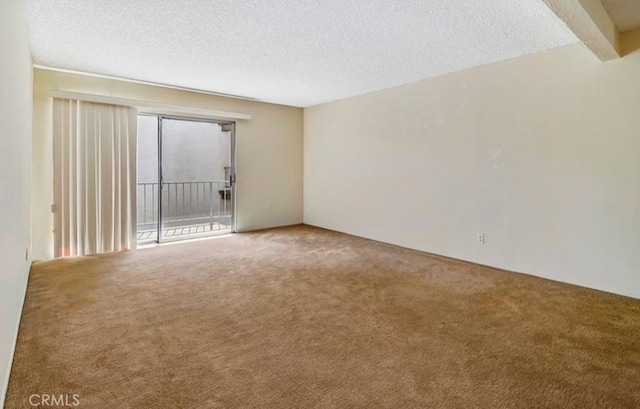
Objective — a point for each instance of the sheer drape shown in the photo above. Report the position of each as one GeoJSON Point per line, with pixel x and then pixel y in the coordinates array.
{"type": "Point", "coordinates": [94, 148]}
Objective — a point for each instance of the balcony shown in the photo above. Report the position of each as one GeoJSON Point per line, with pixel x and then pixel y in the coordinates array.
{"type": "Point", "coordinates": [188, 209]}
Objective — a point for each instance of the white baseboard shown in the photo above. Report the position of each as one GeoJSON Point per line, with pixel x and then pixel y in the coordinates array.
{"type": "Point", "coordinates": [7, 371]}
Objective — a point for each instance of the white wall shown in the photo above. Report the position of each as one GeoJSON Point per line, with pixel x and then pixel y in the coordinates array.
{"type": "Point", "coordinates": [268, 151]}
{"type": "Point", "coordinates": [15, 176]}
{"type": "Point", "coordinates": [539, 153]}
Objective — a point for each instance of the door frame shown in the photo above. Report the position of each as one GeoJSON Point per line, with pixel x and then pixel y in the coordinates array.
{"type": "Point", "coordinates": [232, 173]}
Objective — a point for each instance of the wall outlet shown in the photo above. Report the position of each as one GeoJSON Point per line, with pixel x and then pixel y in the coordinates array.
{"type": "Point", "coordinates": [480, 238]}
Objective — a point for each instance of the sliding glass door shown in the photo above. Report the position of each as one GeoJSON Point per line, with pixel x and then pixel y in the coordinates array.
{"type": "Point", "coordinates": [192, 193]}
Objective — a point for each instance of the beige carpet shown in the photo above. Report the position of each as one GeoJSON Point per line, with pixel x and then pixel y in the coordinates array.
{"type": "Point", "coordinates": [306, 318]}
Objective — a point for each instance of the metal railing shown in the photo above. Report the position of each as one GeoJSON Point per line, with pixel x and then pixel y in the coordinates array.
{"type": "Point", "coordinates": [185, 203]}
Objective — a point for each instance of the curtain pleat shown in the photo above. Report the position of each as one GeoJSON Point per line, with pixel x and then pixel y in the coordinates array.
{"type": "Point", "coordinates": [95, 149]}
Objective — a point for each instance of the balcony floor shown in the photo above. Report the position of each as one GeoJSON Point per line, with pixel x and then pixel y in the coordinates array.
{"type": "Point", "coordinates": [174, 232]}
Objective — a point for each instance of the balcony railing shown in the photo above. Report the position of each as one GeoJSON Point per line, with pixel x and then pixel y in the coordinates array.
{"type": "Point", "coordinates": [185, 204]}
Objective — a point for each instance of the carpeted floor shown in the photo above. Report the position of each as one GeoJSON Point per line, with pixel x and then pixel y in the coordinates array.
{"type": "Point", "coordinates": [301, 317]}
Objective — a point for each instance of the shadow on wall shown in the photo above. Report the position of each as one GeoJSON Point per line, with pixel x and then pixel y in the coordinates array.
{"type": "Point", "coordinates": [630, 42]}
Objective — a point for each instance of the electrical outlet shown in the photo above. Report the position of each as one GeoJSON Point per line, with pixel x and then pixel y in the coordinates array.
{"type": "Point", "coordinates": [480, 239]}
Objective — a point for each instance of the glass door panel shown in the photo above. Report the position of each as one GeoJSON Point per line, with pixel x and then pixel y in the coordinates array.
{"type": "Point", "coordinates": [148, 188]}
{"type": "Point", "coordinates": [196, 163]}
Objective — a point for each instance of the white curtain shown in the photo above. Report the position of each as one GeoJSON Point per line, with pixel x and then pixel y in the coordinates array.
{"type": "Point", "coordinates": [94, 147]}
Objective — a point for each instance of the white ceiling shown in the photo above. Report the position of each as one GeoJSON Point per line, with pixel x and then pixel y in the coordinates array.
{"type": "Point", "coordinates": [293, 52]}
{"type": "Point", "coordinates": [625, 14]}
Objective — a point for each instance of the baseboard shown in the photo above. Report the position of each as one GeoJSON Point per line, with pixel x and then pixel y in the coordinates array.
{"type": "Point", "coordinates": [493, 267]}
{"type": "Point", "coordinates": [269, 227]}
{"type": "Point", "coordinates": [5, 385]}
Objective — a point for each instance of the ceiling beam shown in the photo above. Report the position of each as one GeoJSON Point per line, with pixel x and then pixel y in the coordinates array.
{"type": "Point", "coordinates": [591, 23]}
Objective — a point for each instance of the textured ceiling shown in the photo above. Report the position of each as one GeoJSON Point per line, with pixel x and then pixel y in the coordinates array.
{"type": "Point", "coordinates": [625, 14]}
{"type": "Point", "coordinates": [294, 52]}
